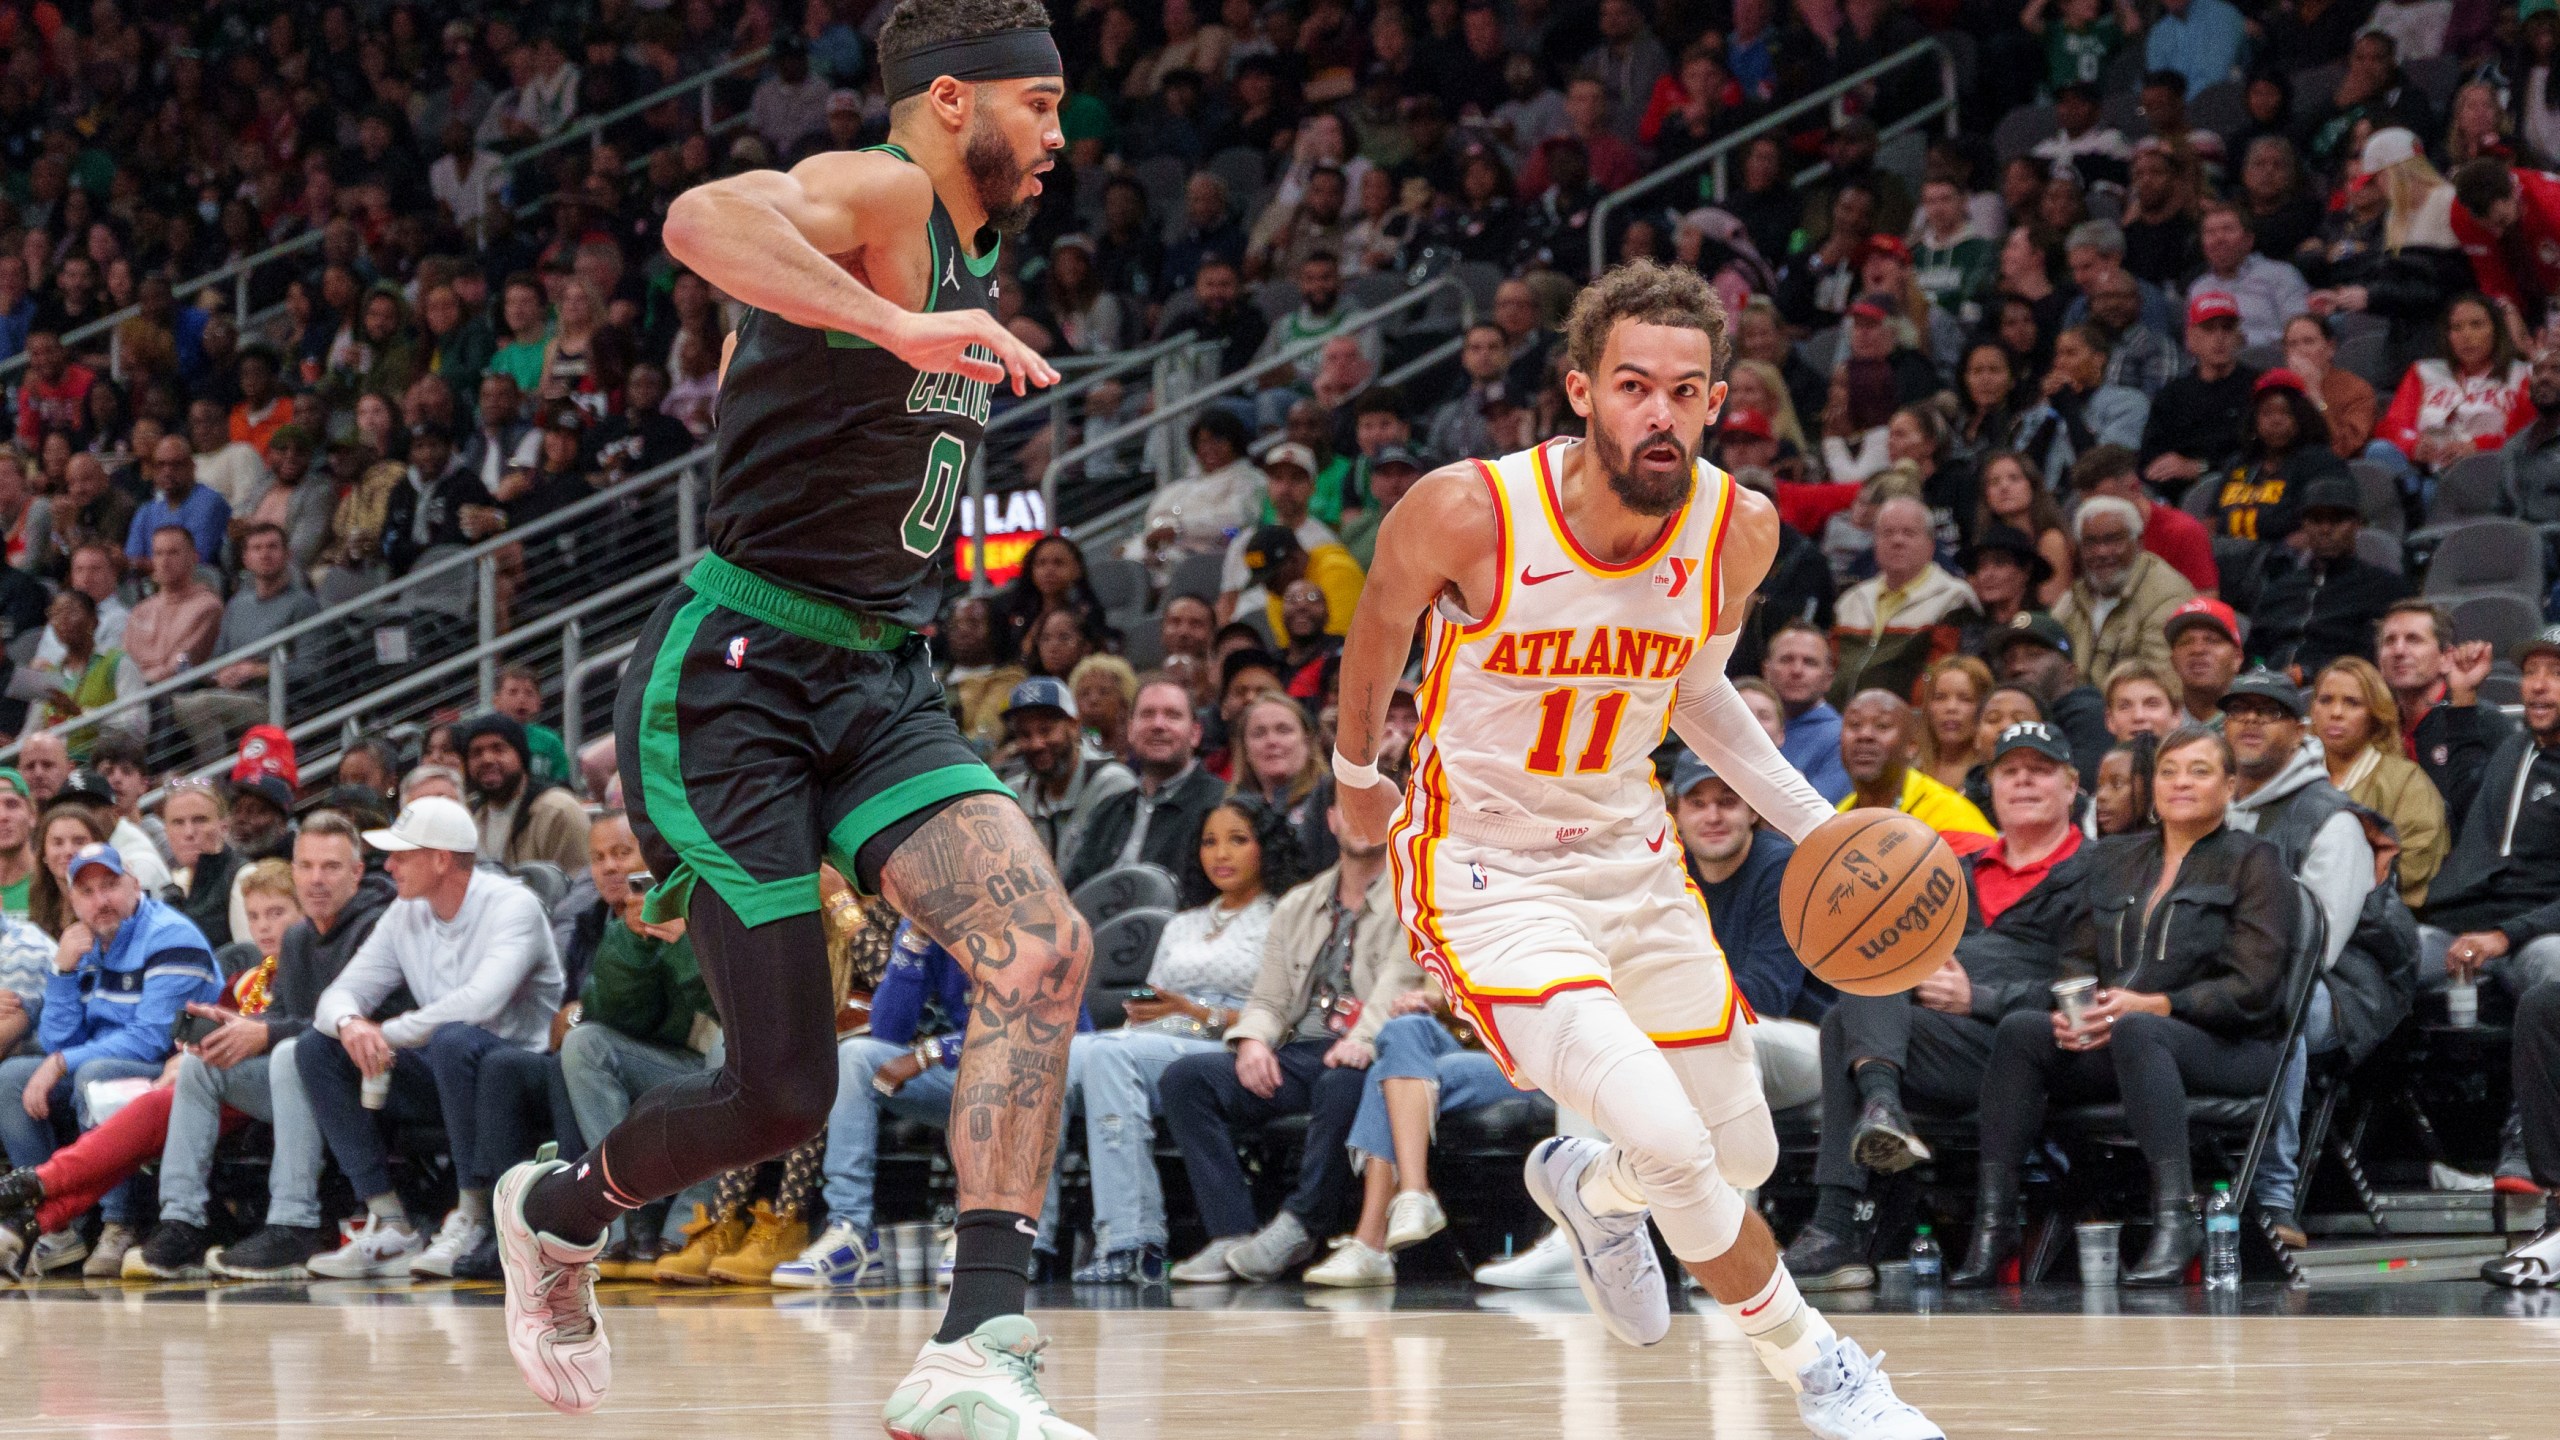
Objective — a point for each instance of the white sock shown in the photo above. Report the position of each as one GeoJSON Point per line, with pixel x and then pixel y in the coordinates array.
{"type": "Point", "coordinates": [474, 1204]}
{"type": "Point", "coordinates": [388, 1207]}
{"type": "Point", "coordinates": [1786, 1332]}
{"type": "Point", "coordinates": [1607, 1189]}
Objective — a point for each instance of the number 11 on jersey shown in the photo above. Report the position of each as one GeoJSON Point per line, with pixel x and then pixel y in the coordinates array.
{"type": "Point", "coordinates": [1555, 718]}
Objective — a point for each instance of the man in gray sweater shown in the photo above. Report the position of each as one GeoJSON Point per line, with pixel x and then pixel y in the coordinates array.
{"type": "Point", "coordinates": [474, 949]}
{"type": "Point", "coordinates": [266, 602]}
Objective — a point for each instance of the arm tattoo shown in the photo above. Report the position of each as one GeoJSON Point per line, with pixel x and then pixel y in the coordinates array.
{"type": "Point", "coordinates": [976, 879]}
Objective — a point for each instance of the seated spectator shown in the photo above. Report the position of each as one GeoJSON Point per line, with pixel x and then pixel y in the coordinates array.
{"type": "Point", "coordinates": [1205, 966]}
{"type": "Point", "coordinates": [1331, 972]}
{"type": "Point", "coordinates": [201, 859]}
{"type": "Point", "coordinates": [2267, 291]}
{"type": "Point", "coordinates": [2204, 653]}
{"type": "Point", "coordinates": [1932, 1044]}
{"type": "Point", "coordinates": [2212, 952]}
{"type": "Point", "coordinates": [979, 681]}
{"type": "Point", "coordinates": [1156, 821]}
{"type": "Point", "coordinates": [1061, 785]}
{"type": "Point", "coordinates": [2078, 410]}
{"type": "Point", "coordinates": [2436, 684]}
{"type": "Point", "coordinates": [2121, 800]}
{"type": "Point", "coordinates": [1800, 669]}
{"type": "Point", "coordinates": [176, 499]}
{"type": "Point", "coordinates": [2013, 495]}
{"type": "Point", "coordinates": [2005, 572]}
{"type": "Point", "coordinates": [1104, 688]}
{"type": "Point", "coordinates": [2138, 356]}
{"type": "Point", "coordinates": [1392, 472]}
{"type": "Point", "coordinates": [121, 978]}
{"type": "Point", "coordinates": [2495, 906]}
{"type": "Point", "coordinates": [2534, 1264]}
{"type": "Point", "coordinates": [474, 950]}
{"type": "Point", "coordinates": [1053, 576]}
{"type": "Point", "coordinates": [2358, 725]}
{"type": "Point", "coordinates": [2470, 402]}
{"type": "Point", "coordinates": [2326, 604]}
{"type": "Point", "coordinates": [2122, 594]}
{"type": "Point", "coordinates": [2345, 401]}
{"type": "Point", "coordinates": [1305, 617]}
{"type": "Point", "coordinates": [230, 468]}
{"type": "Point", "coordinates": [1891, 626]}
{"type": "Point", "coordinates": [2195, 421]}
{"type": "Point", "coordinates": [266, 602]}
{"type": "Point", "coordinates": [1947, 747]}
{"type": "Point", "coordinates": [1736, 863]}
{"type": "Point", "coordinates": [2036, 656]}
{"type": "Point", "coordinates": [644, 1017]}
{"type": "Point", "coordinates": [1289, 470]}
{"type": "Point", "coordinates": [1195, 516]}
{"type": "Point", "coordinates": [88, 676]}
{"type": "Point", "coordinates": [520, 817]}
{"type": "Point", "coordinates": [1874, 738]}
{"type": "Point", "coordinates": [519, 698]}
{"type": "Point", "coordinates": [18, 866]}
{"type": "Point", "coordinates": [2141, 699]}
{"type": "Point", "coordinates": [1274, 559]}
{"type": "Point", "coordinates": [62, 831]}
{"type": "Point", "coordinates": [2286, 453]}
{"type": "Point", "coordinates": [1283, 765]}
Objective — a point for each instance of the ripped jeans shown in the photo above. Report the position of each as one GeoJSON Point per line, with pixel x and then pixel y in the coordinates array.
{"type": "Point", "coordinates": [1116, 1073]}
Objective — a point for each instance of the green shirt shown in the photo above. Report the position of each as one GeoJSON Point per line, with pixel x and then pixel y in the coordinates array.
{"type": "Point", "coordinates": [550, 756]}
{"type": "Point", "coordinates": [13, 898]}
{"type": "Point", "coordinates": [1956, 277]}
{"type": "Point", "coordinates": [2079, 55]}
{"type": "Point", "coordinates": [646, 988]}
{"type": "Point", "coordinates": [520, 362]}
{"type": "Point", "coordinates": [1333, 489]}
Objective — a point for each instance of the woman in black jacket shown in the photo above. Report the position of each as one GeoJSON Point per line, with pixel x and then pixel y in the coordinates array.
{"type": "Point", "coordinates": [2188, 931]}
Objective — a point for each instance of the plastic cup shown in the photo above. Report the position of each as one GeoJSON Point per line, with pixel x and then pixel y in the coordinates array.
{"type": "Point", "coordinates": [377, 1090]}
{"type": "Point", "coordinates": [914, 1247]}
{"type": "Point", "coordinates": [2101, 1244]}
{"type": "Point", "coordinates": [2462, 1003]}
{"type": "Point", "coordinates": [2072, 996]}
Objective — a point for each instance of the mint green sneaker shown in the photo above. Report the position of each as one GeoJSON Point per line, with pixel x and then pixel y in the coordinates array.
{"type": "Point", "coordinates": [983, 1386]}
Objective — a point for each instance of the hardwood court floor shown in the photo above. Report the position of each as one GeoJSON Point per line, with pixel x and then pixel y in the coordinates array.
{"type": "Point", "coordinates": [383, 1360]}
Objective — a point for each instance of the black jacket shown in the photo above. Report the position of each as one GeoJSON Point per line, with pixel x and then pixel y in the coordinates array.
{"type": "Point", "coordinates": [2082, 715]}
{"type": "Point", "coordinates": [2454, 743]}
{"type": "Point", "coordinates": [1173, 835]}
{"type": "Point", "coordinates": [2489, 885]}
{"type": "Point", "coordinates": [2011, 960]}
{"type": "Point", "coordinates": [311, 961]}
{"type": "Point", "coordinates": [2217, 944]}
{"type": "Point", "coordinates": [443, 503]}
{"type": "Point", "coordinates": [207, 899]}
{"type": "Point", "coordinates": [2318, 610]}
{"type": "Point", "coordinates": [2199, 418]}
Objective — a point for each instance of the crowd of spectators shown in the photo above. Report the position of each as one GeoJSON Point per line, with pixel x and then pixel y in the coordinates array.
{"type": "Point", "coordinates": [2096, 432]}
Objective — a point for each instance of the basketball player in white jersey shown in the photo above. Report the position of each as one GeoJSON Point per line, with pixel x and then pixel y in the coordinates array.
{"type": "Point", "coordinates": [1582, 596]}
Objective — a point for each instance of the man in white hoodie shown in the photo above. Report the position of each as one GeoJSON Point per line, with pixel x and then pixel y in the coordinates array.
{"type": "Point", "coordinates": [474, 949]}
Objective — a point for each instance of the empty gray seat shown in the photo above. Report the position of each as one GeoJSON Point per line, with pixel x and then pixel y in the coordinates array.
{"type": "Point", "coordinates": [2503, 620]}
{"type": "Point", "coordinates": [2469, 488]}
{"type": "Point", "coordinates": [2485, 557]}
{"type": "Point", "coordinates": [1118, 584]}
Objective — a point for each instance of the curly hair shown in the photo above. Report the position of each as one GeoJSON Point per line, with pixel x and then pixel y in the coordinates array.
{"type": "Point", "coordinates": [1284, 860]}
{"type": "Point", "coordinates": [1649, 294]}
{"type": "Point", "coordinates": [916, 24]}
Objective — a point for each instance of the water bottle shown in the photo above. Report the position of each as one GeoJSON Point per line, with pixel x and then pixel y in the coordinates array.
{"type": "Point", "coordinates": [1928, 1265]}
{"type": "Point", "coordinates": [2222, 1239]}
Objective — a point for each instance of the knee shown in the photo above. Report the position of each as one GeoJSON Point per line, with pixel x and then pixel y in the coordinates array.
{"type": "Point", "coordinates": [1192, 1080]}
{"type": "Point", "coordinates": [793, 1108]}
{"type": "Point", "coordinates": [2140, 1030]}
{"type": "Point", "coordinates": [318, 1058]}
{"type": "Point", "coordinates": [454, 1042]}
{"type": "Point", "coordinates": [2538, 1013]}
{"type": "Point", "coordinates": [1407, 1034]}
{"type": "Point", "coordinates": [194, 1076]}
{"type": "Point", "coordinates": [584, 1051]}
{"type": "Point", "coordinates": [2024, 1032]}
{"type": "Point", "coordinates": [1747, 1149]}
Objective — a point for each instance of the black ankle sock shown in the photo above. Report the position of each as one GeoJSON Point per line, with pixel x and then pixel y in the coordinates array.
{"type": "Point", "coordinates": [990, 1269]}
{"type": "Point", "coordinates": [1879, 1081]}
{"type": "Point", "coordinates": [576, 1203]}
{"type": "Point", "coordinates": [1835, 1211]}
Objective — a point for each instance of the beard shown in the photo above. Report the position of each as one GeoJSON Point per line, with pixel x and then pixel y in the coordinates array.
{"type": "Point", "coordinates": [2109, 583]}
{"type": "Point", "coordinates": [1643, 493]}
{"type": "Point", "coordinates": [997, 177]}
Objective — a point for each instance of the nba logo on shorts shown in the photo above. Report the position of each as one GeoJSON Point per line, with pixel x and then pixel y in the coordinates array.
{"type": "Point", "coordinates": [737, 652]}
{"type": "Point", "coordinates": [1475, 873]}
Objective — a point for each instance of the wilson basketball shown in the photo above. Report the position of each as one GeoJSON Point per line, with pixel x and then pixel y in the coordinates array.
{"type": "Point", "coordinates": [1873, 902]}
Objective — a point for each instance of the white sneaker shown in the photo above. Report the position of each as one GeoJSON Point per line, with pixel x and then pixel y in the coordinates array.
{"type": "Point", "coordinates": [460, 1236]}
{"type": "Point", "coordinates": [982, 1386]}
{"type": "Point", "coordinates": [1613, 1258]}
{"type": "Point", "coordinates": [2530, 1266]}
{"type": "Point", "coordinates": [950, 1261]}
{"type": "Point", "coordinates": [1547, 1265]}
{"type": "Point", "coordinates": [1353, 1266]}
{"type": "Point", "coordinates": [1272, 1251]}
{"type": "Point", "coordinates": [1413, 1217]}
{"type": "Point", "coordinates": [840, 1259]}
{"type": "Point", "coordinates": [1847, 1397]}
{"type": "Point", "coordinates": [373, 1248]}
{"type": "Point", "coordinates": [1209, 1267]}
{"type": "Point", "coordinates": [553, 1327]}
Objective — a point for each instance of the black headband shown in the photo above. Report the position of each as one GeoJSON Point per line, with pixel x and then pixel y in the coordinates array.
{"type": "Point", "coordinates": [1005, 55]}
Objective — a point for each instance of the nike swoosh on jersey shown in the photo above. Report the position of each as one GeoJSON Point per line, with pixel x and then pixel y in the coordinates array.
{"type": "Point", "coordinates": [1655, 844]}
{"type": "Point", "coordinates": [1528, 579]}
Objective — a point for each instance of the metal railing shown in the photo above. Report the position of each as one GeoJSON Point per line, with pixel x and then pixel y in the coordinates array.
{"type": "Point", "coordinates": [1353, 324]}
{"type": "Point", "coordinates": [1715, 152]}
{"type": "Point", "coordinates": [591, 129]}
{"type": "Point", "coordinates": [481, 561]}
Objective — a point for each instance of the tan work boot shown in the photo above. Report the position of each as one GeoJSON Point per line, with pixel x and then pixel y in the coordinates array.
{"type": "Point", "coordinates": [770, 1241]}
{"type": "Point", "coordinates": [704, 1242]}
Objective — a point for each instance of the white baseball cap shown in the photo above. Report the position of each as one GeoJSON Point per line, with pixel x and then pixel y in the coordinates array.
{"type": "Point", "coordinates": [429, 823]}
{"type": "Point", "coordinates": [2388, 147]}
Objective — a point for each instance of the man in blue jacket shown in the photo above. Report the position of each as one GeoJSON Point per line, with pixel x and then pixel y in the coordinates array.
{"type": "Point", "coordinates": [120, 980]}
{"type": "Point", "coordinates": [905, 1067]}
{"type": "Point", "coordinates": [1738, 868]}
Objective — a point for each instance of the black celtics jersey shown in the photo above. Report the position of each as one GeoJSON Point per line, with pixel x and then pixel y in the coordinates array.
{"type": "Point", "coordinates": [838, 468]}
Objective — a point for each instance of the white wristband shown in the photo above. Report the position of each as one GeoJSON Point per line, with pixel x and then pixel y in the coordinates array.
{"type": "Point", "coordinates": [1355, 777]}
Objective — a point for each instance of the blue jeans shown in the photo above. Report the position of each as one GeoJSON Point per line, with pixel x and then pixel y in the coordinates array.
{"type": "Point", "coordinates": [605, 1071]}
{"type": "Point", "coordinates": [1205, 1104]}
{"type": "Point", "coordinates": [32, 1142]}
{"type": "Point", "coordinates": [2280, 1168]}
{"type": "Point", "coordinates": [437, 1080]}
{"type": "Point", "coordinates": [268, 1087]}
{"type": "Point", "coordinates": [853, 1126]}
{"type": "Point", "coordinates": [1419, 1047]}
{"type": "Point", "coordinates": [1114, 1073]}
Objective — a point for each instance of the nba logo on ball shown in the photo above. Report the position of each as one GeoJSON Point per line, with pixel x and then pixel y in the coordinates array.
{"type": "Point", "coordinates": [1872, 901]}
{"type": "Point", "coordinates": [737, 652]}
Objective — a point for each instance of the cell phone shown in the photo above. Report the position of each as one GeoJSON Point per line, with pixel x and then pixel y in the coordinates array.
{"type": "Point", "coordinates": [192, 1029]}
{"type": "Point", "coordinates": [639, 881]}
{"type": "Point", "coordinates": [1143, 992]}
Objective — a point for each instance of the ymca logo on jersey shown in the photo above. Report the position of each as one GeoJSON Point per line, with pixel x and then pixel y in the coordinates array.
{"type": "Point", "coordinates": [934, 394]}
{"type": "Point", "coordinates": [1673, 576]}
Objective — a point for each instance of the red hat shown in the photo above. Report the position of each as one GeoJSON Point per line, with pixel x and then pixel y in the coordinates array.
{"type": "Point", "coordinates": [2202, 611]}
{"type": "Point", "coordinates": [2280, 378]}
{"type": "Point", "coordinates": [1742, 420]}
{"type": "Point", "coordinates": [1886, 245]}
{"type": "Point", "coordinates": [2212, 305]}
{"type": "Point", "coordinates": [1875, 305]}
{"type": "Point", "coordinates": [266, 750]}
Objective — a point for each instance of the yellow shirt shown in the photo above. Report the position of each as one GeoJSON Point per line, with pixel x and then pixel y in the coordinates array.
{"type": "Point", "coordinates": [1339, 577]}
{"type": "Point", "coordinates": [1933, 804]}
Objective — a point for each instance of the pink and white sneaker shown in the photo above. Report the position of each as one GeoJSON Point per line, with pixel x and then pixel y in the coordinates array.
{"type": "Point", "coordinates": [554, 1329]}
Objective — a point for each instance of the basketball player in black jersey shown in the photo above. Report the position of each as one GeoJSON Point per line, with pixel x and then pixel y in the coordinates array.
{"type": "Point", "coordinates": [780, 709]}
